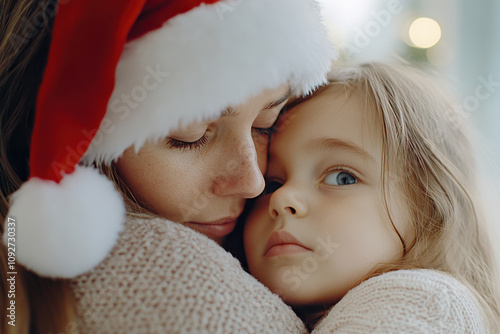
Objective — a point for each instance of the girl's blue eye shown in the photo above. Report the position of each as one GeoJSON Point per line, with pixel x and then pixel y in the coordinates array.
{"type": "Point", "coordinates": [340, 179]}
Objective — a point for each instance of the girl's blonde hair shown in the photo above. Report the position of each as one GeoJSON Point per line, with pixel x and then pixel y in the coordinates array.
{"type": "Point", "coordinates": [429, 149]}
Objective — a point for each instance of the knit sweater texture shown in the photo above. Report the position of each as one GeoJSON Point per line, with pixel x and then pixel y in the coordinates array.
{"type": "Point", "coordinates": [405, 301]}
{"type": "Point", "coordinates": [162, 277]}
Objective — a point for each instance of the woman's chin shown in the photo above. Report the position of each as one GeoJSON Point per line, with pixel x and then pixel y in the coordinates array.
{"type": "Point", "coordinates": [214, 231]}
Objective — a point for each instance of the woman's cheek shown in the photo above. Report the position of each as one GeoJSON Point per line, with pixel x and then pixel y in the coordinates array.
{"type": "Point", "coordinates": [261, 147]}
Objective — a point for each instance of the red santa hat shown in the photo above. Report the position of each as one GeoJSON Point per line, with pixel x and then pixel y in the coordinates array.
{"type": "Point", "coordinates": [120, 73]}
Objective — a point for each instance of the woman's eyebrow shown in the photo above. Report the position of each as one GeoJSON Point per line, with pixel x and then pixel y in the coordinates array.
{"type": "Point", "coordinates": [325, 143]}
{"type": "Point", "coordinates": [272, 104]}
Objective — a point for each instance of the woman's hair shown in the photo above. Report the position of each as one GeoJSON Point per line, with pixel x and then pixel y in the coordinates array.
{"type": "Point", "coordinates": [43, 305]}
{"type": "Point", "coordinates": [428, 151]}
{"type": "Point", "coordinates": [134, 206]}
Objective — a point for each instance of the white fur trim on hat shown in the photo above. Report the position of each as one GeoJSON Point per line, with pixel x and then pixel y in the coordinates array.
{"type": "Point", "coordinates": [65, 229]}
{"type": "Point", "coordinates": [200, 62]}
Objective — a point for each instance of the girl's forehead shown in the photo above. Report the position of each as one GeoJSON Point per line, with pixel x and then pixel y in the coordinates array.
{"type": "Point", "coordinates": [335, 111]}
{"type": "Point", "coordinates": [335, 116]}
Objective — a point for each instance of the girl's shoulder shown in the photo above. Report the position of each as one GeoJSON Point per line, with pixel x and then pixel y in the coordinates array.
{"type": "Point", "coordinates": [409, 301]}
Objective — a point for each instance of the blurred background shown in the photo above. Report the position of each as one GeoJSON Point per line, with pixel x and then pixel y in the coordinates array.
{"type": "Point", "coordinates": [460, 39]}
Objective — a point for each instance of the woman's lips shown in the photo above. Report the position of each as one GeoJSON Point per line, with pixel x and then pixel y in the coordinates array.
{"type": "Point", "coordinates": [215, 229]}
{"type": "Point", "coordinates": [283, 243]}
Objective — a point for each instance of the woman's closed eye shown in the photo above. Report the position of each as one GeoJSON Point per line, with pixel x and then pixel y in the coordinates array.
{"type": "Point", "coordinates": [185, 145]}
{"type": "Point", "coordinates": [199, 143]}
{"type": "Point", "coordinates": [265, 131]}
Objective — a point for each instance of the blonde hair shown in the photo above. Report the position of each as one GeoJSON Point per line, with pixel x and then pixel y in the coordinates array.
{"type": "Point", "coordinates": [134, 207]}
{"type": "Point", "coordinates": [428, 148]}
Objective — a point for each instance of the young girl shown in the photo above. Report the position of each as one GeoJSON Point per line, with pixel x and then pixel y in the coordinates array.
{"type": "Point", "coordinates": [371, 189]}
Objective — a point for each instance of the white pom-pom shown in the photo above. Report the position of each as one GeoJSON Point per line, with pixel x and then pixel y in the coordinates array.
{"type": "Point", "coordinates": [66, 229]}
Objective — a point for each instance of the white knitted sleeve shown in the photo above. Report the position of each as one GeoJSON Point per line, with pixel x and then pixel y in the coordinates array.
{"type": "Point", "coordinates": [162, 277]}
{"type": "Point", "coordinates": [405, 301]}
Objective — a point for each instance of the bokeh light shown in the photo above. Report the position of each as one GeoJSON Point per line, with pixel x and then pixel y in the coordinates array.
{"type": "Point", "coordinates": [425, 32]}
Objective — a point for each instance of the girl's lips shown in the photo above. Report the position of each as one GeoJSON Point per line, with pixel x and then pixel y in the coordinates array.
{"type": "Point", "coordinates": [283, 243]}
{"type": "Point", "coordinates": [215, 229]}
{"type": "Point", "coordinates": [285, 249]}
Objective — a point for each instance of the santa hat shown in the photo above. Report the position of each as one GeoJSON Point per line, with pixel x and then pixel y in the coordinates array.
{"type": "Point", "coordinates": [123, 72]}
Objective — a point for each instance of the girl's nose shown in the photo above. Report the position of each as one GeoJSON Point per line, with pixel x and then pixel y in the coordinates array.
{"type": "Point", "coordinates": [287, 201]}
{"type": "Point", "coordinates": [241, 175]}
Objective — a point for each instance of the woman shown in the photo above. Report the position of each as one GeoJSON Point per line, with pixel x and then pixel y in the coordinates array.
{"type": "Point", "coordinates": [180, 93]}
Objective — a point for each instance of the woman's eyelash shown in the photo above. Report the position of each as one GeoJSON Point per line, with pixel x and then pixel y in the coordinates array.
{"type": "Point", "coordinates": [266, 131]}
{"type": "Point", "coordinates": [183, 145]}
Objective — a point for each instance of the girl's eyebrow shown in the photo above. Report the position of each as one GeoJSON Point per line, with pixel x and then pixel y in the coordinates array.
{"type": "Point", "coordinates": [325, 143]}
{"type": "Point", "coordinates": [270, 105]}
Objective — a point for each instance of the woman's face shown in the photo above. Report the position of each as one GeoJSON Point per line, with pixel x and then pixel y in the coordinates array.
{"type": "Point", "coordinates": [201, 175]}
{"type": "Point", "coordinates": [321, 224]}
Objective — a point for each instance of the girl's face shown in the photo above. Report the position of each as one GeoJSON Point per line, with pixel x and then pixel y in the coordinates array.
{"type": "Point", "coordinates": [201, 175]}
{"type": "Point", "coordinates": [321, 224]}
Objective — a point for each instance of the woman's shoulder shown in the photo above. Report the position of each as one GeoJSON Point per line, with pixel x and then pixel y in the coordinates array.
{"type": "Point", "coordinates": [409, 301]}
{"type": "Point", "coordinates": [174, 279]}
{"type": "Point", "coordinates": [147, 240]}
{"type": "Point", "coordinates": [150, 250]}
{"type": "Point", "coordinates": [153, 232]}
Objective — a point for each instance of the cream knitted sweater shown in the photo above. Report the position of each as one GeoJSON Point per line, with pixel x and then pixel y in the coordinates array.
{"type": "Point", "coordinates": [405, 301]}
{"type": "Point", "coordinates": [162, 277]}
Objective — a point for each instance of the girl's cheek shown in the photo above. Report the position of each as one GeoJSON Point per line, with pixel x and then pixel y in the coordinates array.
{"type": "Point", "coordinates": [259, 218]}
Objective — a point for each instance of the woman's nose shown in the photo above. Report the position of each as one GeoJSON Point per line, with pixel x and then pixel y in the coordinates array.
{"type": "Point", "coordinates": [241, 176]}
{"type": "Point", "coordinates": [287, 201]}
